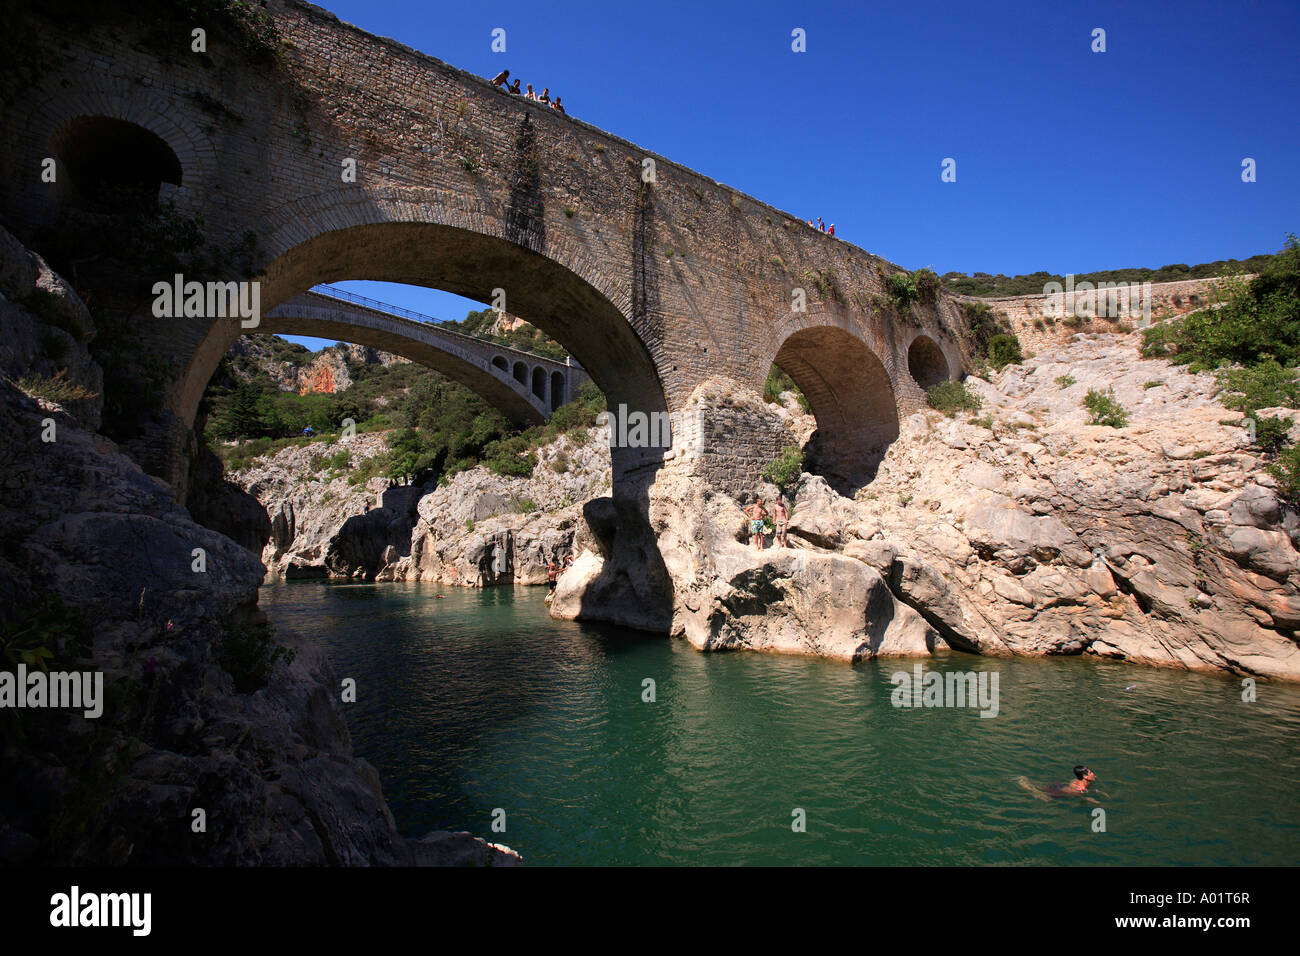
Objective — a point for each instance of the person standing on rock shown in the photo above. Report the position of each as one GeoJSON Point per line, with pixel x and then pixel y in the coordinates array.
{"type": "Point", "coordinates": [552, 574]}
{"type": "Point", "coordinates": [781, 518]}
{"type": "Point", "coordinates": [755, 513]}
{"type": "Point", "coordinates": [568, 561]}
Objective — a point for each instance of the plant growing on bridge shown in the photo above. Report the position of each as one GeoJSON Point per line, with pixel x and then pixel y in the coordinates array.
{"type": "Point", "coordinates": [1104, 409]}
{"type": "Point", "coordinates": [902, 291]}
{"type": "Point", "coordinates": [785, 470]}
{"type": "Point", "coordinates": [927, 285]}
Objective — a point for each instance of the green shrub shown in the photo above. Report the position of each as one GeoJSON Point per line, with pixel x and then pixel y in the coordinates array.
{"type": "Point", "coordinates": [249, 653]}
{"type": "Point", "coordinates": [1271, 433]}
{"type": "Point", "coordinates": [785, 470]}
{"type": "Point", "coordinates": [1287, 472]}
{"type": "Point", "coordinates": [777, 382]}
{"type": "Point", "coordinates": [1154, 383]}
{"type": "Point", "coordinates": [1004, 350]}
{"type": "Point", "coordinates": [902, 290]}
{"type": "Point", "coordinates": [1103, 408]}
{"type": "Point", "coordinates": [927, 285]}
{"type": "Point", "coordinates": [1256, 321]}
{"type": "Point", "coordinates": [1064, 381]}
{"type": "Point", "coordinates": [525, 506]}
{"type": "Point", "coordinates": [1266, 385]}
{"type": "Point", "coordinates": [952, 397]}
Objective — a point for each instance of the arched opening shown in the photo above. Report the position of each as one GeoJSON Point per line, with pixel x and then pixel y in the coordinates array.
{"type": "Point", "coordinates": [544, 292]}
{"type": "Point", "coordinates": [499, 361]}
{"type": "Point", "coordinates": [110, 165]}
{"type": "Point", "coordinates": [926, 362]}
{"type": "Point", "coordinates": [558, 397]}
{"type": "Point", "coordinates": [539, 382]}
{"type": "Point", "coordinates": [850, 395]}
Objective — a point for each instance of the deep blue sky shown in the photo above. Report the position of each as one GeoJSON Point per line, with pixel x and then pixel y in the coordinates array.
{"type": "Point", "coordinates": [1067, 160]}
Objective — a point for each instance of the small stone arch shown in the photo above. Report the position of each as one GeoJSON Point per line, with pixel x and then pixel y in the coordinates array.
{"type": "Point", "coordinates": [521, 373]}
{"type": "Point", "coordinates": [926, 362]}
{"type": "Point", "coordinates": [558, 397]}
{"type": "Point", "coordinates": [101, 156]}
{"type": "Point", "coordinates": [852, 398]}
{"type": "Point", "coordinates": [539, 382]}
{"type": "Point", "coordinates": [499, 362]}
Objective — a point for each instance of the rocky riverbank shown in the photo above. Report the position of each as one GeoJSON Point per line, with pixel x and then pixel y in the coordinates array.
{"type": "Point", "coordinates": [475, 529]}
{"type": "Point", "coordinates": [1018, 529]}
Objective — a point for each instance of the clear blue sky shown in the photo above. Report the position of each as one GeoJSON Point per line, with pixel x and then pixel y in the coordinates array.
{"type": "Point", "coordinates": [1067, 160]}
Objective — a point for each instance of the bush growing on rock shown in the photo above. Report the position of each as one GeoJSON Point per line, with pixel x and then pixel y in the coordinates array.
{"type": "Point", "coordinates": [1257, 321]}
{"type": "Point", "coordinates": [1004, 350]}
{"type": "Point", "coordinates": [952, 397]}
{"type": "Point", "coordinates": [785, 471]}
{"type": "Point", "coordinates": [1271, 433]}
{"type": "Point", "coordinates": [249, 653]}
{"type": "Point", "coordinates": [1103, 408]}
{"type": "Point", "coordinates": [1287, 472]}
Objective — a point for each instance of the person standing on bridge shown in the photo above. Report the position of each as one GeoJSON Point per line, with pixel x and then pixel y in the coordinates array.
{"type": "Point", "coordinates": [530, 95]}
{"type": "Point", "coordinates": [546, 96]}
{"type": "Point", "coordinates": [501, 79]}
{"type": "Point", "coordinates": [514, 88]}
{"type": "Point", "coordinates": [831, 230]}
{"type": "Point", "coordinates": [556, 105]}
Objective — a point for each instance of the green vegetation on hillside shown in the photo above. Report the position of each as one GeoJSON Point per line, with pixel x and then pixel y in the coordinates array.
{"type": "Point", "coordinates": [528, 338]}
{"type": "Point", "coordinates": [1251, 339]}
{"type": "Point", "coordinates": [993, 286]}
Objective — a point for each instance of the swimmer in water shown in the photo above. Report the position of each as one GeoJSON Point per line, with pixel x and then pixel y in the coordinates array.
{"type": "Point", "coordinates": [1078, 787]}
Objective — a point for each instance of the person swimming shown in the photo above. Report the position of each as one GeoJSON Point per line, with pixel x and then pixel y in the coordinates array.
{"type": "Point", "coordinates": [1078, 787]}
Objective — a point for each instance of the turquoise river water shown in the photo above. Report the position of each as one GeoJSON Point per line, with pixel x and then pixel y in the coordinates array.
{"type": "Point", "coordinates": [479, 701]}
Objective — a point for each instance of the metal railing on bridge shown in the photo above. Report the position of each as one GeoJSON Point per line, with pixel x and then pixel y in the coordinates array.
{"type": "Point", "coordinates": [388, 308]}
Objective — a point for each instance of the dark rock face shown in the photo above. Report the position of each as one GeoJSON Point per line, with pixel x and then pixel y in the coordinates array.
{"type": "Point", "coordinates": [218, 503]}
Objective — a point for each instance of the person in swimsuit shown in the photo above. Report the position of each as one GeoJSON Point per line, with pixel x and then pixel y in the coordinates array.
{"type": "Point", "coordinates": [501, 79]}
{"type": "Point", "coordinates": [514, 88]}
{"type": "Point", "coordinates": [755, 513]}
{"type": "Point", "coordinates": [552, 573]}
{"type": "Point", "coordinates": [781, 518]}
{"type": "Point", "coordinates": [1078, 787]}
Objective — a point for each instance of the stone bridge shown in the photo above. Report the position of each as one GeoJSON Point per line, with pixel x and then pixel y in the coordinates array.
{"type": "Point", "coordinates": [525, 386]}
{"type": "Point", "coordinates": [657, 279]}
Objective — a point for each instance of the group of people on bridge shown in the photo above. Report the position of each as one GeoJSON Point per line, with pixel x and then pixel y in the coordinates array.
{"type": "Point", "coordinates": [829, 230]}
{"type": "Point", "coordinates": [502, 81]}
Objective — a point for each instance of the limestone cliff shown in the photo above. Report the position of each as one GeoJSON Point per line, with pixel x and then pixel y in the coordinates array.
{"type": "Point", "coordinates": [1020, 529]}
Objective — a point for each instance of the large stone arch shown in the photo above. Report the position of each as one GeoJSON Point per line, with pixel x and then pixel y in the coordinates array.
{"type": "Point", "coordinates": [547, 293]}
{"type": "Point", "coordinates": [852, 397]}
